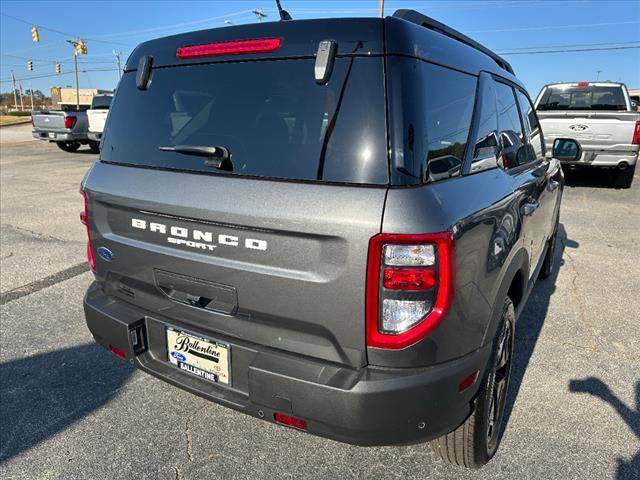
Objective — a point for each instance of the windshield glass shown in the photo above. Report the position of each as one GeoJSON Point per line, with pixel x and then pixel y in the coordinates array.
{"type": "Point", "coordinates": [101, 102]}
{"type": "Point", "coordinates": [583, 98]}
{"type": "Point", "coordinates": [270, 115]}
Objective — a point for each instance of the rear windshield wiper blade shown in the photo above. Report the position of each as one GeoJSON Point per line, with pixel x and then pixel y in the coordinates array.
{"type": "Point", "coordinates": [217, 157]}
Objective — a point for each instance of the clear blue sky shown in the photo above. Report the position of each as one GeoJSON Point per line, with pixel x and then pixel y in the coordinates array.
{"type": "Point", "coordinates": [504, 26]}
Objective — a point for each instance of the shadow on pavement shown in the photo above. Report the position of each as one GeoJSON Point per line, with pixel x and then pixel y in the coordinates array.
{"type": "Point", "coordinates": [596, 387]}
{"type": "Point", "coordinates": [531, 319]}
{"type": "Point", "coordinates": [590, 177]}
{"type": "Point", "coordinates": [44, 394]}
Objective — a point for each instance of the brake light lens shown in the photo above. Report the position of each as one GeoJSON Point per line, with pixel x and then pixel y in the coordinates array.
{"type": "Point", "coordinates": [84, 218]}
{"type": "Point", "coordinates": [410, 283]}
{"type": "Point", "coordinates": [408, 278]}
{"type": "Point", "coordinates": [583, 84]}
{"type": "Point", "coordinates": [70, 121]}
{"type": "Point", "coordinates": [636, 134]}
{"type": "Point", "coordinates": [236, 47]}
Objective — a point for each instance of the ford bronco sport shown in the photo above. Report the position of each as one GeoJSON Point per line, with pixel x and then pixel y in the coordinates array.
{"type": "Point", "coordinates": [327, 224]}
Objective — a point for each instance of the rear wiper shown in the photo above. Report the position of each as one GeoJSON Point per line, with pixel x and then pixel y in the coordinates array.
{"type": "Point", "coordinates": [217, 157]}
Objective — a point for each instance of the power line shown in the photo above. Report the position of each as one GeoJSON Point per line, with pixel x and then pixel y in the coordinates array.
{"type": "Point", "coordinates": [554, 27]}
{"type": "Point", "coordinates": [49, 29]}
{"type": "Point", "coordinates": [574, 45]}
{"type": "Point", "coordinates": [33, 77]}
{"type": "Point", "coordinates": [567, 51]}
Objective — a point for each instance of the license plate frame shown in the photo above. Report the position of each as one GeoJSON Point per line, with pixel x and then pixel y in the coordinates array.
{"type": "Point", "coordinates": [199, 356]}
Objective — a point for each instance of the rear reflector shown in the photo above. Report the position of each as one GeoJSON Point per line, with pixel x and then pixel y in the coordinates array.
{"type": "Point", "coordinates": [636, 134]}
{"type": "Point", "coordinates": [467, 381]}
{"type": "Point", "coordinates": [118, 352]}
{"type": "Point", "coordinates": [236, 47]}
{"type": "Point", "coordinates": [294, 422]}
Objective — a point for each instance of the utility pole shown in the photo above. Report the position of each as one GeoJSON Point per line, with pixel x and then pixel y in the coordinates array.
{"type": "Point", "coordinates": [598, 75]}
{"type": "Point", "coordinates": [76, 47]}
{"type": "Point", "coordinates": [381, 8]}
{"type": "Point", "coordinates": [21, 102]}
{"type": "Point", "coordinates": [259, 14]}
{"type": "Point", "coordinates": [15, 97]}
{"type": "Point", "coordinates": [31, 90]}
{"type": "Point", "coordinates": [117, 56]}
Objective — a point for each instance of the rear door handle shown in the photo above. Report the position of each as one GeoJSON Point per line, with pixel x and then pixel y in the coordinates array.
{"type": "Point", "coordinates": [553, 185]}
{"type": "Point", "coordinates": [530, 207]}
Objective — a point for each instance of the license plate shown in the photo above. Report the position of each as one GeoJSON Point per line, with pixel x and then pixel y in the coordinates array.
{"type": "Point", "coordinates": [204, 358]}
{"type": "Point", "coordinates": [52, 135]}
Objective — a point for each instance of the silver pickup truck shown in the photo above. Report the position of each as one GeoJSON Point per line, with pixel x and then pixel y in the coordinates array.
{"type": "Point", "coordinates": [67, 129]}
{"type": "Point", "coordinates": [600, 116]}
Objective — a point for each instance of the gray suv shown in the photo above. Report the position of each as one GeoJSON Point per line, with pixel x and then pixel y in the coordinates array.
{"type": "Point", "coordinates": [327, 224]}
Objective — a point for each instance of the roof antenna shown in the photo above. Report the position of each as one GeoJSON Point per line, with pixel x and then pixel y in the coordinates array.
{"type": "Point", "coordinates": [284, 15]}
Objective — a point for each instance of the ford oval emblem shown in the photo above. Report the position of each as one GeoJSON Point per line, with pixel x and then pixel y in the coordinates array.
{"type": "Point", "coordinates": [178, 356]}
{"type": "Point", "coordinates": [578, 127]}
{"type": "Point", "coordinates": [105, 254]}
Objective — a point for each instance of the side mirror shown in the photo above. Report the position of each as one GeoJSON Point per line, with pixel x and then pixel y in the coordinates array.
{"type": "Point", "coordinates": [566, 149]}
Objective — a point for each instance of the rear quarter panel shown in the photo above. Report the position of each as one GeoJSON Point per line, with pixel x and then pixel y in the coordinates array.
{"type": "Point", "coordinates": [484, 213]}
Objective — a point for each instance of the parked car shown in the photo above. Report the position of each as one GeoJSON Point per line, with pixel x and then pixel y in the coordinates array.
{"type": "Point", "coordinates": [601, 117]}
{"type": "Point", "coordinates": [267, 238]}
{"type": "Point", "coordinates": [67, 129]}
{"type": "Point", "coordinates": [97, 115]}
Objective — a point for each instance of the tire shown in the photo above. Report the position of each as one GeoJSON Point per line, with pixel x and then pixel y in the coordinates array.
{"type": "Point", "coordinates": [68, 146]}
{"type": "Point", "coordinates": [549, 258]}
{"type": "Point", "coordinates": [476, 441]}
{"type": "Point", "coordinates": [94, 146]}
{"type": "Point", "coordinates": [624, 178]}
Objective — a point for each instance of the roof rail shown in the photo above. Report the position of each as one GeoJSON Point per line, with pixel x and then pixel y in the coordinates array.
{"type": "Point", "coordinates": [428, 22]}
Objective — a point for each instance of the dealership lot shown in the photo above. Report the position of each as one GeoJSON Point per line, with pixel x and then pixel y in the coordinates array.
{"type": "Point", "coordinates": [71, 410]}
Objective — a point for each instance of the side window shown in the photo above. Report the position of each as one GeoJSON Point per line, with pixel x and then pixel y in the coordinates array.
{"type": "Point", "coordinates": [531, 126]}
{"type": "Point", "coordinates": [486, 144]}
{"type": "Point", "coordinates": [430, 109]}
{"type": "Point", "coordinates": [450, 100]}
{"type": "Point", "coordinates": [513, 146]}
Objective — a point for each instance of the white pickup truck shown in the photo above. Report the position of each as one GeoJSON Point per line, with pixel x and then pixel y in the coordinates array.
{"type": "Point", "coordinates": [97, 116]}
{"type": "Point", "coordinates": [600, 116]}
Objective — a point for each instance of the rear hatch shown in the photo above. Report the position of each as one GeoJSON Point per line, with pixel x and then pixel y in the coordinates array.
{"type": "Point", "coordinates": [596, 114]}
{"type": "Point", "coordinates": [49, 121]}
{"type": "Point", "coordinates": [270, 249]}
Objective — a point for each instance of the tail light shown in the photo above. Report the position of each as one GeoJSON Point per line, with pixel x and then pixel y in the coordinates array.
{"type": "Point", "coordinates": [636, 134]}
{"type": "Point", "coordinates": [70, 121]}
{"type": "Point", "coordinates": [583, 84]}
{"type": "Point", "coordinates": [236, 47]}
{"type": "Point", "coordinates": [410, 281]}
{"type": "Point", "coordinates": [84, 218]}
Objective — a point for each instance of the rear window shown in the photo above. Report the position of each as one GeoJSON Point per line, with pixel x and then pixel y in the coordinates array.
{"type": "Point", "coordinates": [583, 98]}
{"type": "Point", "coordinates": [101, 102]}
{"type": "Point", "coordinates": [271, 115]}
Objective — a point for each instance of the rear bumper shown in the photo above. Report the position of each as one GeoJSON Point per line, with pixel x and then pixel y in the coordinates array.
{"type": "Point", "coordinates": [594, 158]}
{"type": "Point", "coordinates": [368, 406]}
{"type": "Point", "coordinates": [95, 136]}
{"type": "Point", "coordinates": [58, 136]}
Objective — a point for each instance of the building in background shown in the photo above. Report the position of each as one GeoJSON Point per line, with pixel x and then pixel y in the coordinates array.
{"type": "Point", "coordinates": [65, 98]}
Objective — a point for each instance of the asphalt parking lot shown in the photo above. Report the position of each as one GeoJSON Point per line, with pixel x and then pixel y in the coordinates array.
{"type": "Point", "coordinates": [71, 410]}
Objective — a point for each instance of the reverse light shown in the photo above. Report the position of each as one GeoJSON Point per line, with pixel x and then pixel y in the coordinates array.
{"type": "Point", "coordinates": [236, 47]}
{"type": "Point", "coordinates": [406, 255]}
{"type": "Point", "coordinates": [290, 421]}
{"type": "Point", "coordinates": [410, 282]}
{"type": "Point", "coordinates": [70, 121]}
{"type": "Point", "coordinates": [635, 140]}
{"type": "Point", "coordinates": [84, 218]}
